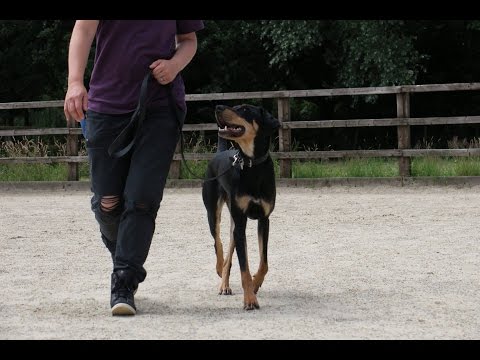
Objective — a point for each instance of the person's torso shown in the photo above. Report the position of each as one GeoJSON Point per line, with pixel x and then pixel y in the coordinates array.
{"type": "Point", "coordinates": [124, 51]}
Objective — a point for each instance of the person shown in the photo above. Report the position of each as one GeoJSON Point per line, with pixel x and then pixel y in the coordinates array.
{"type": "Point", "coordinates": [127, 191]}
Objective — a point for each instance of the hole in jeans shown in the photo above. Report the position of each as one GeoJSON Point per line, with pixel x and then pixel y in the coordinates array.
{"type": "Point", "coordinates": [109, 203]}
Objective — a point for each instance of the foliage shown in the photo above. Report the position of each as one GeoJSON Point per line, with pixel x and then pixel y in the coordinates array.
{"type": "Point", "coordinates": [33, 59]}
{"type": "Point", "coordinates": [261, 55]}
{"type": "Point", "coordinates": [229, 58]}
{"type": "Point", "coordinates": [377, 53]}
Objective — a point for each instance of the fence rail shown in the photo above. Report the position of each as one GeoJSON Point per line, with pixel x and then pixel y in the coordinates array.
{"type": "Point", "coordinates": [403, 121]}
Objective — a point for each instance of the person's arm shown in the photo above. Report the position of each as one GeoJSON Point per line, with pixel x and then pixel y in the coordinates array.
{"type": "Point", "coordinates": [80, 43]}
{"type": "Point", "coordinates": [166, 70]}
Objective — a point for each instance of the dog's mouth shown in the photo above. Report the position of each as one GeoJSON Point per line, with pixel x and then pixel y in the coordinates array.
{"type": "Point", "coordinates": [229, 130]}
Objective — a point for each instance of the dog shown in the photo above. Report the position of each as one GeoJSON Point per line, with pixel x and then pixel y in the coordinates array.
{"type": "Point", "coordinates": [244, 179]}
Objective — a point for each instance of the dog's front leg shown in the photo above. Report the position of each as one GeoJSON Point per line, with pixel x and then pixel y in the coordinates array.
{"type": "Point", "coordinates": [214, 213]}
{"type": "Point", "coordinates": [249, 298]}
{"type": "Point", "coordinates": [227, 264]}
{"type": "Point", "coordinates": [263, 229]}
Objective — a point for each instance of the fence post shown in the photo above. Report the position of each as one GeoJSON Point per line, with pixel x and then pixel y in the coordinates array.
{"type": "Point", "coordinates": [284, 136]}
{"type": "Point", "coordinates": [403, 133]}
{"type": "Point", "coordinates": [72, 150]}
{"type": "Point", "coordinates": [174, 172]}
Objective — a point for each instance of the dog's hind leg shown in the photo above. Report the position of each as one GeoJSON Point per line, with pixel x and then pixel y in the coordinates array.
{"type": "Point", "coordinates": [263, 230]}
{"type": "Point", "coordinates": [227, 264]}
{"type": "Point", "coordinates": [249, 298]}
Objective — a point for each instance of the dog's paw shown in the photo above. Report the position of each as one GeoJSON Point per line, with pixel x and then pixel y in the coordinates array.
{"type": "Point", "coordinates": [224, 290]}
{"type": "Point", "coordinates": [251, 306]}
{"type": "Point", "coordinates": [250, 303]}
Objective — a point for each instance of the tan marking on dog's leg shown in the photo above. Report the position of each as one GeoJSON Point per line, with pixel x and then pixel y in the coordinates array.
{"type": "Point", "coordinates": [227, 265]}
{"type": "Point", "coordinates": [250, 301]}
{"type": "Point", "coordinates": [267, 207]}
{"type": "Point", "coordinates": [249, 298]}
{"type": "Point", "coordinates": [218, 240]}
{"type": "Point", "coordinates": [262, 267]}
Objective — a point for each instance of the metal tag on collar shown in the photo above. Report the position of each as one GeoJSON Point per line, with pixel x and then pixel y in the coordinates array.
{"type": "Point", "coordinates": [238, 161]}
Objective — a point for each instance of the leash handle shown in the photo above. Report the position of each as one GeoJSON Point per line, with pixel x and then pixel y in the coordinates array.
{"type": "Point", "coordinates": [115, 149]}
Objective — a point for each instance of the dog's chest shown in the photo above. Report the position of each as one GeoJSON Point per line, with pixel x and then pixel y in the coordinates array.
{"type": "Point", "coordinates": [253, 207]}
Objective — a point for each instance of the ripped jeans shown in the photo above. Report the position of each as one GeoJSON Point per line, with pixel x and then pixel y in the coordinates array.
{"type": "Point", "coordinates": [127, 191]}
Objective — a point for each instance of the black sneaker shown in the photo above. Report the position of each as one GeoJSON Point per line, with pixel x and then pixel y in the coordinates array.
{"type": "Point", "coordinates": [124, 285]}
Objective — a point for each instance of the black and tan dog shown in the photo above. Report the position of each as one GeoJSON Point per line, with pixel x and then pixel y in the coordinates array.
{"type": "Point", "coordinates": [245, 181]}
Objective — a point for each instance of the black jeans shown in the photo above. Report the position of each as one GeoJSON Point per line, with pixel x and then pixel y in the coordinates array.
{"type": "Point", "coordinates": [131, 186]}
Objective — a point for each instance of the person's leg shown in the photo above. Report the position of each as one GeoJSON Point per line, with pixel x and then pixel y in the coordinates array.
{"type": "Point", "coordinates": [108, 175]}
{"type": "Point", "coordinates": [150, 164]}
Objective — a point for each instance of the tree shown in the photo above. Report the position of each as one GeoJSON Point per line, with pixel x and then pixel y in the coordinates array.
{"type": "Point", "coordinates": [33, 59]}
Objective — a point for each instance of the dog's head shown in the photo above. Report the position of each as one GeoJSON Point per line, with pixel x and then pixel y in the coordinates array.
{"type": "Point", "coordinates": [248, 125]}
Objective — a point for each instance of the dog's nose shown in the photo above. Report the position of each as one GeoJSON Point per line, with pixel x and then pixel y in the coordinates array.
{"type": "Point", "coordinates": [220, 108]}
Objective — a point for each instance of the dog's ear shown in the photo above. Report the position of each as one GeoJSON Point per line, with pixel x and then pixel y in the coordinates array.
{"type": "Point", "coordinates": [270, 123]}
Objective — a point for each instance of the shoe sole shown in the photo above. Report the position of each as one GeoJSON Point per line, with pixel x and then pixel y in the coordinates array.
{"type": "Point", "coordinates": [123, 309]}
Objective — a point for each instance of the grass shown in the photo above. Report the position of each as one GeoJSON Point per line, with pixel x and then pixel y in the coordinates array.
{"type": "Point", "coordinates": [354, 167]}
{"type": "Point", "coordinates": [34, 146]}
{"type": "Point", "coordinates": [434, 166]}
{"type": "Point", "coordinates": [366, 167]}
{"type": "Point", "coordinates": [369, 167]}
{"type": "Point", "coordinates": [39, 172]}
{"type": "Point", "coordinates": [198, 169]}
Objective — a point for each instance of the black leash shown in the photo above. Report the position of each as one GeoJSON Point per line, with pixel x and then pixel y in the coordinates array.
{"type": "Point", "coordinates": [180, 115]}
{"type": "Point", "coordinates": [185, 161]}
{"type": "Point", "coordinates": [131, 132]}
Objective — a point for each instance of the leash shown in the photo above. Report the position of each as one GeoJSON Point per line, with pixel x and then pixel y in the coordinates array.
{"type": "Point", "coordinates": [116, 148]}
{"type": "Point", "coordinates": [180, 115]}
{"type": "Point", "coordinates": [131, 132]}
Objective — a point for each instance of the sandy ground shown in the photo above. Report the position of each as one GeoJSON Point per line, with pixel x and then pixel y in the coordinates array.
{"type": "Point", "coordinates": [345, 263]}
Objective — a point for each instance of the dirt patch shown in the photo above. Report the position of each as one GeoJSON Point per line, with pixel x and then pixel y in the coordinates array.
{"type": "Point", "coordinates": [344, 263]}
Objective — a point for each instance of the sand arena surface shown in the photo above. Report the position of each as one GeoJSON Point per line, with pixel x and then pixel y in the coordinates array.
{"type": "Point", "coordinates": [374, 262]}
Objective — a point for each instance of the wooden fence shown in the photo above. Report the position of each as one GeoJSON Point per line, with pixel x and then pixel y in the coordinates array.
{"type": "Point", "coordinates": [403, 122]}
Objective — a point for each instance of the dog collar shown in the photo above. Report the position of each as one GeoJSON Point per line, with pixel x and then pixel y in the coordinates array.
{"type": "Point", "coordinates": [239, 160]}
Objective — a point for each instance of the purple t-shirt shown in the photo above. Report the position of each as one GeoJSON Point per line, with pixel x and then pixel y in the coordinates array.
{"type": "Point", "coordinates": [124, 51]}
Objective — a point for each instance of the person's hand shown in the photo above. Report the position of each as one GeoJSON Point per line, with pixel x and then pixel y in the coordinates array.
{"type": "Point", "coordinates": [164, 70]}
{"type": "Point", "coordinates": [76, 101]}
